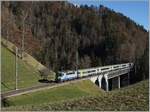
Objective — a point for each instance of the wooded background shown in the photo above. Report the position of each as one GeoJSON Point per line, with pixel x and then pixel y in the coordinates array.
{"type": "Point", "coordinates": [55, 33]}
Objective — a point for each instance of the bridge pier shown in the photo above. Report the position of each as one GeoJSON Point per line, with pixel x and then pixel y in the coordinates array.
{"type": "Point", "coordinates": [128, 78]}
{"type": "Point", "coordinates": [119, 82]}
{"type": "Point", "coordinates": [100, 80]}
{"type": "Point", "coordinates": [107, 83]}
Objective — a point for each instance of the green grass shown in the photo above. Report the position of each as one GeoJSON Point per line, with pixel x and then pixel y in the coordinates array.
{"type": "Point", "coordinates": [75, 90]}
{"type": "Point", "coordinates": [28, 59]}
{"type": "Point", "coordinates": [131, 98]}
{"type": "Point", "coordinates": [27, 76]}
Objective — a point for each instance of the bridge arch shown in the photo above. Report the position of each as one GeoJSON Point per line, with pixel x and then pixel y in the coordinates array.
{"type": "Point", "coordinates": [103, 83]}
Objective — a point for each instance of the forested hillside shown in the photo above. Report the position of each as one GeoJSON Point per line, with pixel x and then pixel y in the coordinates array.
{"type": "Point", "coordinates": [56, 33]}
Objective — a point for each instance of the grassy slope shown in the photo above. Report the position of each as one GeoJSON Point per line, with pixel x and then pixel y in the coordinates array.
{"type": "Point", "coordinates": [28, 59]}
{"type": "Point", "coordinates": [26, 74]}
{"type": "Point", "coordinates": [135, 97]}
{"type": "Point", "coordinates": [76, 90]}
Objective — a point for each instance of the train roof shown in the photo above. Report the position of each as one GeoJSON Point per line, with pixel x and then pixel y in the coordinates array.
{"type": "Point", "coordinates": [91, 68]}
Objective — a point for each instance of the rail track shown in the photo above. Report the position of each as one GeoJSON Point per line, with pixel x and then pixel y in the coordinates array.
{"type": "Point", "coordinates": [39, 88]}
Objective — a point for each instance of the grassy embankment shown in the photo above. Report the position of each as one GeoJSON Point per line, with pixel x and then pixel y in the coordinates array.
{"type": "Point", "coordinates": [27, 75]}
{"type": "Point", "coordinates": [73, 90]}
{"type": "Point", "coordinates": [134, 97]}
{"type": "Point", "coordinates": [28, 68]}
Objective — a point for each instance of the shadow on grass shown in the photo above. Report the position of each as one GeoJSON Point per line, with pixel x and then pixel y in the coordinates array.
{"type": "Point", "coordinates": [46, 81]}
{"type": "Point", "coordinates": [5, 102]}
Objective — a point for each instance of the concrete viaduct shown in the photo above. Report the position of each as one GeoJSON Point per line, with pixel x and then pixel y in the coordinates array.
{"type": "Point", "coordinates": [106, 76]}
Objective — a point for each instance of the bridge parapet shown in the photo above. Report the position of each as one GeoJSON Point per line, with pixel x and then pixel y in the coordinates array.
{"type": "Point", "coordinates": [118, 73]}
